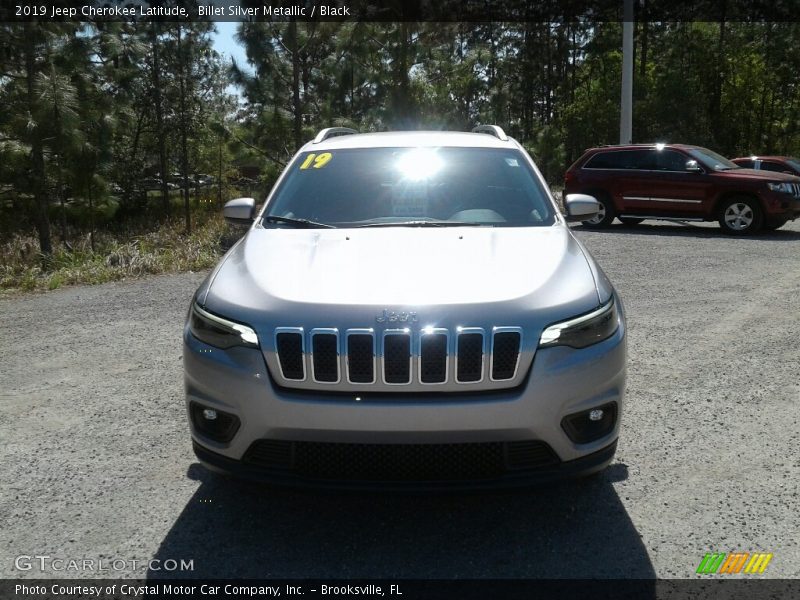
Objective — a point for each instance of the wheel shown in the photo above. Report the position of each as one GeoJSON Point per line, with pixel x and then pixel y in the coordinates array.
{"type": "Point", "coordinates": [740, 216]}
{"type": "Point", "coordinates": [630, 221]}
{"type": "Point", "coordinates": [604, 216]}
{"type": "Point", "coordinates": [775, 225]}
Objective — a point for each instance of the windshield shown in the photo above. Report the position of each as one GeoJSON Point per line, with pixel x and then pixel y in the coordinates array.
{"type": "Point", "coordinates": [412, 187]}
{"type": "Point", "coordinates": [794, 163]}
{"type": "Point", "coordinates": [712, 160]}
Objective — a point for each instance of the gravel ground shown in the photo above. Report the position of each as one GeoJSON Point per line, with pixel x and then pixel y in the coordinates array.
{"type": "Point", "coordinates": [96, 460]}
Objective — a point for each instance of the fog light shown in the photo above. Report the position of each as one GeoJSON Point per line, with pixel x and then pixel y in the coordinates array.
{"type": "Point", "coordinates": [214, 424]}
{"type": "Point", "coordinates": [590, 425]}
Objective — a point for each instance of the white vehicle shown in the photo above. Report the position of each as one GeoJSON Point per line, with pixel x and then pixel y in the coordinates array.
{"type": "Point", "coordinates": [407, 309]}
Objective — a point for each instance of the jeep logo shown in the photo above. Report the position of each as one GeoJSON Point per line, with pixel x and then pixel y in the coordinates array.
{"type": "Point", "coordinates": [393, 316]}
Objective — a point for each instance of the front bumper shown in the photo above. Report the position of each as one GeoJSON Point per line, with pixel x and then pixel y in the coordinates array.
{"type": "Point", "coordinates": [781, 208]}
{"type": "Point", "coordinates": [561, 382]}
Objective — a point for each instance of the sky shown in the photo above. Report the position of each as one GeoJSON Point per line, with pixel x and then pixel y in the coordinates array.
{"type": "Point", "coordinates": [225, 43]}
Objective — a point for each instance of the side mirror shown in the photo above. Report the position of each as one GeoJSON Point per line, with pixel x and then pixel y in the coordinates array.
{"type": "Point", "coordinates": [580, 207]}
{"type": "Point", "coordinates": [240, 211]}
{"type": "Point", "coordinates": [693, 167]}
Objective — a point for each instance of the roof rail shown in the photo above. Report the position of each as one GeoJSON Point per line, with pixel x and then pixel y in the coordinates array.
{"type": "Point", "coordinates": [332, 131]}
{"type": "Point", "coordinates": [491, 130]}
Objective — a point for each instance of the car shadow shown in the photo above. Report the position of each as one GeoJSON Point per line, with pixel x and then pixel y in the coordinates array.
{"type": "Point", "coordinates": [574, 529]}
{"type": "Point", "coordinates": [689, 229]}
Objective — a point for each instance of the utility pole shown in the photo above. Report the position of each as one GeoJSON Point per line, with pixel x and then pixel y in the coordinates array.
{"type": "Point", "coordinates": [626, 102]}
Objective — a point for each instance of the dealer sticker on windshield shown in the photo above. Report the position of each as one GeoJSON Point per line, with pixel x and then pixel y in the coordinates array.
{"type": "Point", "coordinates": [316, 161]}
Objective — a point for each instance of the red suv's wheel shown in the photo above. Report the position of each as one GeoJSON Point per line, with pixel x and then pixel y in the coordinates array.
{"type": "Point", "coordinates": [605, 215]}
{"type": "Point", "coordinates": [740, 215]}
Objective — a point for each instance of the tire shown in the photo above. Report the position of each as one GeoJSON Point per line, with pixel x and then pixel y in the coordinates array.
{"type": "Point", "coordinates": [775, 225]}
{"type": "Point", "coordinates": [606, 214]}
{"type": "Point", "coordinates": [740, 215]}
{"type": "Point", "coordinates": [630, 221]}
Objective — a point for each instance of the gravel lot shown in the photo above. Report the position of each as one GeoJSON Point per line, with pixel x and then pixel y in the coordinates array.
{"type": "Point", "coordinates": [96, 459]}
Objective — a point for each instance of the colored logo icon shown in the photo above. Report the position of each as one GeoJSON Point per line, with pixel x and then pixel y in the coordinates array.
{"type": "Point", "coordinates": [734, 562]}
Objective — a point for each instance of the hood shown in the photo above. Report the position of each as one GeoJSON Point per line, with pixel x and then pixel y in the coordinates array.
{"type": "Point", "coordinates": [278, 271]}
{"type": "Point", "coordinates": [760, 175]}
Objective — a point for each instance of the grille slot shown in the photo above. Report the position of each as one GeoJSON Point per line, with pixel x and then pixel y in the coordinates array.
{"type": "Point", "coordinates": [271, 454]}
{"type": "Point", "coordinates": [529, 455]}
{"type": "Point", "coordinates": [397, 358]}
{"type": "Point", "coordinates": [361, 358]}
{"type": "Point", "coordinates": [325, 357]}
{"type": "Point", "coordinates": [400, 462]}
{"type": "Point", "coordinates": [505, 354]}
{"type": "Point", "coordinates": [469, 357]}
{"type": "Point", "coordinates": [433, 358]}
{"type": "Point", "coordinates": [290, 354]}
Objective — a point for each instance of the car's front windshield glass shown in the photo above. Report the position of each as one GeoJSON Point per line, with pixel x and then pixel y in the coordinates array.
{"type": "Point", "coordinates": [445, 186]}
{"type": "Point", "coordinates": [713, 160]}
{"type": "Point", "coordinates": [794, 163]}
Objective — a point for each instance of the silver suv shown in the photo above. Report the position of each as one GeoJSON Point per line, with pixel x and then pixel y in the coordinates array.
{"type": "Point", "coordinates": [407, 309]}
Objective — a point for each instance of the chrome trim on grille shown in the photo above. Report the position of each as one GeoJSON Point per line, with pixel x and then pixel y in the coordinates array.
{"type": "Point", "coordinates": [294, 330]}
{"type": "Point", "coordinates": [346, 355]}
{"type": "Point", "coordinates": [495, 331]}
{"type": "Point", "coordinates": [432, 367]}
{"type": "Point", "coordinates": [382, 358]}
{"type": "Point", "coordinates": [325, 331]}
{"type": "Point", "coordinates": [466, 331]}
{"type": "Point", "coordinates": [434, 331]}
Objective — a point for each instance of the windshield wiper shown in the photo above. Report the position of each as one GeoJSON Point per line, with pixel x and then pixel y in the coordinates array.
{"type": "Point", "coordinates": [299, 222]}
{"type": "Point", "coordinates": [423, 224]}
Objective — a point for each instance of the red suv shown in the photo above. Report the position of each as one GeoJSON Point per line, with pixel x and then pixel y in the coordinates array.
{"type": "Point", "coordinates": [776, 164]}
{"type": "Point", "coordinates": [682, 183]}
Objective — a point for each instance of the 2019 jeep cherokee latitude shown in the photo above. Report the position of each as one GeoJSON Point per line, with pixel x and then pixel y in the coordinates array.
{"type": "Point", "coordinates": [408, 309]}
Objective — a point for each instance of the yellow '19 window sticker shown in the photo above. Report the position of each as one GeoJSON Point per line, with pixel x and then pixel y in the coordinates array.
{"type": "Point", "coordinates": [316, 161]}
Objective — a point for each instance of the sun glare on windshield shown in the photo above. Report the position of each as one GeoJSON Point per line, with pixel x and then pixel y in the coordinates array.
{"type": "Point", "coordinates": [419, 164]}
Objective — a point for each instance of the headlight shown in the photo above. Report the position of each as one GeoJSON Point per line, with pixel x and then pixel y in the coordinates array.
{"type": "Point", "coordinates": [583, 331]}
{"type": "Point", "coordinates": [782, 186]}
{"type": "Point", "coordinates": [218, 332]}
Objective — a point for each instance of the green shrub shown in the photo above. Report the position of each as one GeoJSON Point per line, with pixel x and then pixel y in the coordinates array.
{"type": "Point", "coordinates": [166, 249]}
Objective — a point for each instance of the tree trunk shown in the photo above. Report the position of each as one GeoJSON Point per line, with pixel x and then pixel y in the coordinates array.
{"type": "Point", "coordinates": [162, 148]}
{"type": "Point", "coordinates": [37, 152]}
{"type": "Point", "coordinates": [184, 133]}
{"type": "Point", "coordinates": [645, 34]}
{"type": "Point", "coordinates": [219, 172]}
{"type": "Point", "coordinates": [715, 107]}
{"type": "Point", "coordinates": [91, 214]}
{"type": "Point", "coordinates": [297, 109]}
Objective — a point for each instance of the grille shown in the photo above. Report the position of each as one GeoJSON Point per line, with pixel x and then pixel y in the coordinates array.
{"type": "Point", "coordinates": [290, 355]}
{"type": "Point", "coordinates": [400, 462]}
{"type": "Point", "coordinates": [470, 357]}
{"type": "Point", "coordinates": [396, 357]}
{"type": "Point", "coordinates": [325, 349]}
{"type": "Point", "coordinates": [360, 358]}
{"type": "Point", "coordinates": [272, 454]}
{"type": "Point", "coordinates": [433, 358]}
{"type": "Point", "coordinates": [505, 355]}
{"type": "Point", "coordinates": [529, 454]}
